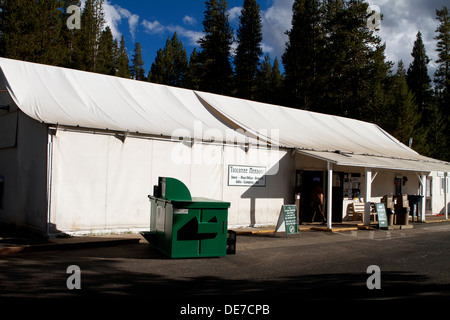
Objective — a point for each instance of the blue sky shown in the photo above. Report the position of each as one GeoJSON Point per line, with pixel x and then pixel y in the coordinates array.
{"type": "Point", "coordinates": [151, 22]}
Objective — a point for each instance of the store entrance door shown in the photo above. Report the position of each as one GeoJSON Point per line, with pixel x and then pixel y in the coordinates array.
{"type": "Point", "coordinates": [306, 183]}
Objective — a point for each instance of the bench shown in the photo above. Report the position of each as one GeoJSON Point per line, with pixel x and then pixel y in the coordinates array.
{"type": "Point", "coordinates": [356, 209]}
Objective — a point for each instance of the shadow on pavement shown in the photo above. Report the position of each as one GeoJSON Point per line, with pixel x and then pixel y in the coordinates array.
{"type": "Point", "coordinates": [106, 279]}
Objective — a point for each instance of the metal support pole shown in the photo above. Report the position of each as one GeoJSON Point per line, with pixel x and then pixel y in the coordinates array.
{"type": "Point", "coordinates": [368, 196]}
{"type": "Point", "coordinates": [424, 200]}
{"type": "Point", "coordinates": [329, 195]}
{"type": "Point", "coordinates": [445, 195]}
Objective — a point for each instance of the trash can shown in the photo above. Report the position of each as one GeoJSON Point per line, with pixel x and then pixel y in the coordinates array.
{"type": "Point", "coordinates": [231, 242]}
{"type": "Point", "coordinates": [402, 216]}
{"type": "Point", "coordinates": [390, 217]}
{"type": "Point", "coordinates": [186, 227]}
{"type": "Point", "coordinates": [402, 209]}
{"type": "Point", "coordinates": [389, 205]}
{"type": "Point", "coordinates": [414, 200]}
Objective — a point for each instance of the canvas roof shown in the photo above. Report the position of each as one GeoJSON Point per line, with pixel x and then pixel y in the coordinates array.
{"type": "Point", "coordinates": [68, 97]}
{"type": "Point", "coordinates": [339, 140]}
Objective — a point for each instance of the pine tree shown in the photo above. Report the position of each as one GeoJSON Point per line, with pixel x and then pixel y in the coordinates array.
{"type": "Point", "coordinates": [352, 49]}
{"type": "Point", "coordinates": [171, 64]}
{"type": "Point", "coordinates": [277, 80]}
{"type": "Point", "coordinates": [157, 73]}
{"type": "Point", "coordinates": [191, 80]}
{"type": "Point", "coordinates": [105, 57]}
{"type": "Point", "coordinates": [249, 51]}
{"type": "Point", "coordinates": [123, 63]}
{"type": "Point", "coordinates": [263, 80]}
{"type": "Point", "coordinates": [442, 80]}
{"type": "Point", "coordinates": [418, 79]}
{"type": "Point", "coordinates": [18, 27]}
{"type": "Point", "coordinates": [269, 82]}
{"type": "Point", "coordinates": [302, 58]}
{"type": "Point", "coordinates": [179, 61]}
{"type": "Point", "coordinates": [405, 113]}
{"type": "Point", "coordinates": [92, 21]}
{"type": "Point", "coordinates": [216, 73]}
{"type": "Point", "coordinates": [49, 38]}
{"type": "Point", "coordinates": [31, 31]}
{"type": "Point", "coordinates": [379, 91]}
{"type": "Point", "coordinates": [437, 137]}
{"type": "Point", "coordinates": [137, 66]}
{"type": "Point", "coordinates": [442, 76]}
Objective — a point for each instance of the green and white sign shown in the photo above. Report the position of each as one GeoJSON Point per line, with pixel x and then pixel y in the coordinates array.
{"type": "Point", "coordinates": [288, 219]}
{"type": "Point", "coordinates": [382, 216]}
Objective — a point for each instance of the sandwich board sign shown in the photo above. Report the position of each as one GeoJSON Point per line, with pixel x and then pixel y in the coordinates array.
{"type": "Point", "coordinates": [288, 220]}
{"type": "Point", "coordinates": [382, 217]}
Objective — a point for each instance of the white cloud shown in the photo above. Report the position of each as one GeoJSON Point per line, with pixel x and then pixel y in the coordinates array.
{"type": "Point", "coordinates": [402, 20]}
{"type": "Point", "coordinates": [154, 27]}
{"type": "Point", "coordinates": [133, 19]}
{"type": "Point", "coordinates": [187, 20]}
{"type": "Point", "coordinates": [114, 15]}
{"type": "Point", "coordinates": [112, 19]}
{"type": "Point", "coordinates": [276, 21]}
{"type": "Point", "coordinates": [266, 48]}
{"type": "Point", "coordinates": [234, 13]}
{"type": "Point", "coordinates": [193, 36]}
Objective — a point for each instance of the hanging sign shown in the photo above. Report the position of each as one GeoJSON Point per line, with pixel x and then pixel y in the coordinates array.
{"type": "Point", "coordinates": [288, 220]}
{"type": "Point", "coordinates": [382, 216]}
{"type": "Point", "coordinates": [246, 176]}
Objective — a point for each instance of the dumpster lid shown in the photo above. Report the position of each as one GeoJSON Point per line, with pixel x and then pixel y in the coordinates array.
{"type": "Point", "coordinates": [174, 190]}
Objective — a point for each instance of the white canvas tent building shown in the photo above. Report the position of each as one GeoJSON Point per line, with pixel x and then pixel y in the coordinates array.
{"type": "Point", "coordinates": [80, 152]}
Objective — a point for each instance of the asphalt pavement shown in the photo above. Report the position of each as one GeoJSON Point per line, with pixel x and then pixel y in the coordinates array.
{"type": "Point", "coordinates": [268, 269]}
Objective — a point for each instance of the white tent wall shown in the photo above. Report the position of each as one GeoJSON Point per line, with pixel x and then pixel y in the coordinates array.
{"type": "Point", "coordinates": [24, 167]}
{"type": "Point", "coordinates": [259, 205]}
{"type": "Point", "coordinates": [100, 183]}
{"type": "Point", "coordinates": [439, 183]}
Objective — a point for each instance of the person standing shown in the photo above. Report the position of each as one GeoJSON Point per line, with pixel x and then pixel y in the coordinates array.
{"type": "Point", "coordinates": [317, 204]}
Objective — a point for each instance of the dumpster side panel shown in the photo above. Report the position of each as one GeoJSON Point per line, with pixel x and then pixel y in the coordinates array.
{"type": "Point", "coordinates": [215, 246]}
{"type": "Point", "coordinates": [185, 234]}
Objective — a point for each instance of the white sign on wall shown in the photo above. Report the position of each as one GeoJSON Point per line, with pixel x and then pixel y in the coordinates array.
{"type": "Point", "coordinates": [246, 176]}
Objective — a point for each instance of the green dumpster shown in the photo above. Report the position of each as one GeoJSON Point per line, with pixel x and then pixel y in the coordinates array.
{"type": "Point", "coordinates": [186, 227]}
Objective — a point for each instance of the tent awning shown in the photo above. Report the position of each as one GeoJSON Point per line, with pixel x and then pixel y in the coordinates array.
{"type": "Point", "coordinates": [380, 162]}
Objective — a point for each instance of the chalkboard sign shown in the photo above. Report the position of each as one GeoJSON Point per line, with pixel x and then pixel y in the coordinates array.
{"type": "Point", "coordinates": [382, 217]}
{"type": "Point", "coordinates": [288, 218]}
